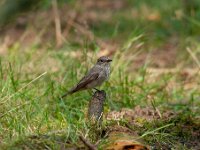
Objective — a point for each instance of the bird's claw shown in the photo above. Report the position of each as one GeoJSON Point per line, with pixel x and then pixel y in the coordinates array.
{"type": "Point", "coordinates": [97, 90]}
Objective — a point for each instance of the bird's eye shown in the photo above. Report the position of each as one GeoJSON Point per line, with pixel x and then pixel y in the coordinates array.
{"type": "Point", "coordinates": [101, 60]}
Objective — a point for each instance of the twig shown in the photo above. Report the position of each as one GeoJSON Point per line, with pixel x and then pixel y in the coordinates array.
{"type": "Point", "coordinates": [87, 143]}
{"type": "Point", "coordinates": [59, 37]}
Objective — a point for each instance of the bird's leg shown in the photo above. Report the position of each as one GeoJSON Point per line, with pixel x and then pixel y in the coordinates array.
{"type": "Point", "coordinates": [97, 90]}
{"type": "Point", "coordinates": [93, 91]}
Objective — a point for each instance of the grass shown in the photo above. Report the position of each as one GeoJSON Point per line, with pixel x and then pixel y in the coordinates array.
{"type": "Point", "coordinates": [33, 78]}
{"type": "Point", "coordinates": [30, 103]}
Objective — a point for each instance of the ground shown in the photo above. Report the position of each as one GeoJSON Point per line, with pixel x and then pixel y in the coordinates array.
{"type": "Point", "coordinates": [153, 93]}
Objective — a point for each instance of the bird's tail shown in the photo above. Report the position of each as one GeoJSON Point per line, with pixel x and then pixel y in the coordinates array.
{"type": "Point", "coordinates": [69, 93]}
{"type": "Point", "coordinates": [63, 96]}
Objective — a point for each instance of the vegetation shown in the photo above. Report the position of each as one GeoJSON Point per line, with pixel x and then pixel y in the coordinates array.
{"type": "Point", "coordinates": [156, 61]}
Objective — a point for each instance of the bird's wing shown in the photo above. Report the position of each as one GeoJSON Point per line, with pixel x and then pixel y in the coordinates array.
{"type": "Point", "coordinates": [84, 81]}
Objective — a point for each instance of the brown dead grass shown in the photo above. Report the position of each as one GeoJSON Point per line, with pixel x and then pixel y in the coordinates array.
{"type": "Point", "coordinates": [140, 117]}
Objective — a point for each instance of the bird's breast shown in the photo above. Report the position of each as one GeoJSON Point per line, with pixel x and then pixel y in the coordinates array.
{"type": "Point", "coordinates": [105, 73]}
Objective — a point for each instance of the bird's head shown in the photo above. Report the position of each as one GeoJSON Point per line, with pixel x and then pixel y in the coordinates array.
{"type": "Point", "coordinates": [104, 61]}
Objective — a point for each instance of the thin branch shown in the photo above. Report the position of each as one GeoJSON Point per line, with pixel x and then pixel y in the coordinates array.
{"type": "Point", "coordinates": [87, 143]}
{"type": "Point", "coordinates": [59, 38]}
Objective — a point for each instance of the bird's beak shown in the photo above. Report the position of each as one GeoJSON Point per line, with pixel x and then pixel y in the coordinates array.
{"type": "Point", "coordinates": [109, 60]}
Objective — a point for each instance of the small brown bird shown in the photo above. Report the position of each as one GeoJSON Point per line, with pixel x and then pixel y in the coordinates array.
{"type": "Point", "coordinates": [95, 77]}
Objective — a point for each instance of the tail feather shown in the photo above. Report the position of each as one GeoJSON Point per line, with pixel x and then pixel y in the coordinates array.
{"type": "Point", "coordinates": [73, 90]}
{"type": "Point", "coordinates": [64, 95]}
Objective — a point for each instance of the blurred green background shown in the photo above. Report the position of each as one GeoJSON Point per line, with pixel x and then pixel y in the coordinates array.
{"type": "Point", "coordinates": [47, 46]}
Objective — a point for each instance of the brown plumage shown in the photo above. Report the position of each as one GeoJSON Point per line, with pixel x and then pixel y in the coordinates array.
{"type": "Point", "coordinates": [95, 77]}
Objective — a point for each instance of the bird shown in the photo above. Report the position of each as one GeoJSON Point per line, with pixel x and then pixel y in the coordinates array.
{"type": "Point", "coordinates": [97, 75]}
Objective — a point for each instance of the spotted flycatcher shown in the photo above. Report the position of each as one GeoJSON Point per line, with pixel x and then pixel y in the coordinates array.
{"type": "Point", "coordinates": [95, 77]}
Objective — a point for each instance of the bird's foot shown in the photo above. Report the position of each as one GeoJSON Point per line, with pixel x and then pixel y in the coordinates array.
{"type": "Point", "coordinates": [97, 90]}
